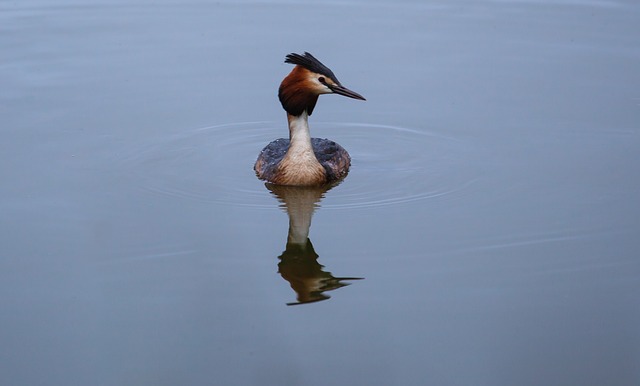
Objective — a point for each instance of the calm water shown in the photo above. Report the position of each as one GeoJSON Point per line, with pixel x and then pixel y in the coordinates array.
{"type": "Point", "coordinates": [486, 235]}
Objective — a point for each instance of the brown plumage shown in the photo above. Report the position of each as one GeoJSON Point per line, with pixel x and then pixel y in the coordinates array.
{"type": "Point", "coordinates": [296, 92]}
{"type": "Point", "coordinates": [303, 160]}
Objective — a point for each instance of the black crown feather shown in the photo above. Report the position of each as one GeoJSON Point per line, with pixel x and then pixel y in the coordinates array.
{"type": "Point", "coordinates": [312, 64]}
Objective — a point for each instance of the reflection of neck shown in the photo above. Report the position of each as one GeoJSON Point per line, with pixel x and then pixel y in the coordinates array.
{"type": "Point", "coordinates": [300, 203]}
{"type": "Point", "coordinates": [300, 208]}
{"type": "Point", "coordinates": [299, 228]}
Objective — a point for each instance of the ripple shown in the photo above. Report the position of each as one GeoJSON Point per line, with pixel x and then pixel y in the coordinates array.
{"type": "Point", "coordinates": [390, 165]}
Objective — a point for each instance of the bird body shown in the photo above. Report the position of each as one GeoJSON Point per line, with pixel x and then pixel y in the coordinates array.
{"type": "Point", "coordinates": [302, 160]}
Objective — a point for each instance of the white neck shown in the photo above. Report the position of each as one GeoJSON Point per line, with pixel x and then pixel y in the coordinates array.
{"type": "Point", "coordinates": [300, 137]}
{"type": "Point", "coordinates": [300, 165]}
{"type": "Point", "coordinates": [299, 133]}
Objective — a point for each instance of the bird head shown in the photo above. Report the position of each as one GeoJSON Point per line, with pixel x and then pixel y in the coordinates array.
{"type": "Point", "coordinates": [309, 79]}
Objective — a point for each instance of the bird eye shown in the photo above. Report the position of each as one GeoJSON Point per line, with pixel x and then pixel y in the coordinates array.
{"type": "Point", "coordinates": [321, 80]}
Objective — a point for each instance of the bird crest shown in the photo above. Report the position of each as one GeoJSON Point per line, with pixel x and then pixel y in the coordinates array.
{"type": "Point", "coordinates": [312, 64]}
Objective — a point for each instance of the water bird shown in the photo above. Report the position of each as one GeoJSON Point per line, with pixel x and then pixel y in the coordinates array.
{"type": "Point", "coordinates": [302, 160]}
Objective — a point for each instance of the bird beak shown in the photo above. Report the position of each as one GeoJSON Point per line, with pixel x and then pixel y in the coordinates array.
{"type": "Point", "coordinates": [339, 89]}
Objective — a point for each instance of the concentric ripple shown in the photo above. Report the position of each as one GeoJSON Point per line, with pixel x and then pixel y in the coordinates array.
{"type": "Point", "coordinates": [390, 165]}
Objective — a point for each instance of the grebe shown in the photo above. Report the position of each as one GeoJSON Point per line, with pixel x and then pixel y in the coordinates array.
{"type": "Point", "coordinates": [302, 160]}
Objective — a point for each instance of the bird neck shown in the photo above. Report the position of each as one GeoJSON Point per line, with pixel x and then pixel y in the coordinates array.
{"type": "Point", "coordinates": [300, 165]}
{"type": "Point", "coordinates": [299, 134]}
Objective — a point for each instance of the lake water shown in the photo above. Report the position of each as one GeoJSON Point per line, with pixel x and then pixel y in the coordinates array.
{"type": "Point", "coordinates": [487, 234]}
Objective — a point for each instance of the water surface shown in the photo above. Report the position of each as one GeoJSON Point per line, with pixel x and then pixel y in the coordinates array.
{"type": "Point", "coordinates": [486, 234]}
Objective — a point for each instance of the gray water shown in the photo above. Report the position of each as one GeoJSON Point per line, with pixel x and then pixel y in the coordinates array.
{"type": "Point", "coordinates": [487, 234]}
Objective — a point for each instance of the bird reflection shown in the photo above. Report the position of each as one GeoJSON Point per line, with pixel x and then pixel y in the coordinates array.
{"type": "Point", "coordinates": [299, 262]}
